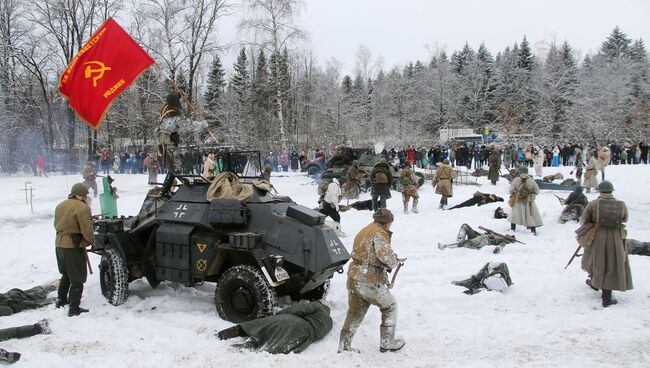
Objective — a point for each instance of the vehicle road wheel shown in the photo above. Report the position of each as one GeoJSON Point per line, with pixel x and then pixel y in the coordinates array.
{"type": "Point", "coordinates": [242, 294]}
{"type": "Point", "coordinates": [114, 277]}
{"type": "Point", "coordinates": [313, 170]}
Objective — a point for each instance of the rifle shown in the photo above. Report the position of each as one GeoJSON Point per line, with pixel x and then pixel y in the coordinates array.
{"type": "Point", "coordinates": [506, 237]}
{"type": "Point", "coordinates": [575, 254]}
{"type": "Point", "coordinates": [562, 200]}
{"type": "Point", "coordinates": [90, 268]}
{"type": "Point", "coordinates": [399, 265]}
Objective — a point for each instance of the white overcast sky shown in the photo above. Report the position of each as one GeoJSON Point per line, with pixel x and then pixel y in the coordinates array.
{"type": "Point", "coordinates": [407, 30]}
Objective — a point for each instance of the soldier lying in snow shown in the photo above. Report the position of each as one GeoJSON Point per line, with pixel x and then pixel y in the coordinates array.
{"type": "Point", "coordinates": [479, 199]}
{"type": "Point", "coordinates": [17, 300]}
{"type": "Point", "coordinates": [291, 330]}
{"type": "Point", "coordinates": [470, 238]}
{"type": "Point", "coordinates": [499, 213]}
{"type": "Point", "coordinates": [637, 247]}
{"type": "Point", "coordinates": [492, 276]}
{"type": "Point", "coordinates": [575, 204]}
{"type": "Point", "coordinates": [551, 178]}
{"type": "Point", "coordinates": [21, 332]}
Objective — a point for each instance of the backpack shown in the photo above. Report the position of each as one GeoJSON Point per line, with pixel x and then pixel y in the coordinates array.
{"type": "Point", "coordinates": [522, 191]}
{"type": "Point", "coordinates": [380, 178]}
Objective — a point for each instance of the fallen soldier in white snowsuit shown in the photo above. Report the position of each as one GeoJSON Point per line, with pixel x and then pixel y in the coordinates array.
{"type": "Point", "coordinates": [470, 238]}
{"type": "Point", "coordinates": [492, 276]}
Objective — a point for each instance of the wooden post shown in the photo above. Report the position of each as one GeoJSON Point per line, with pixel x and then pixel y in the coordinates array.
{"type": "Point", "coordinates": [28, 197]}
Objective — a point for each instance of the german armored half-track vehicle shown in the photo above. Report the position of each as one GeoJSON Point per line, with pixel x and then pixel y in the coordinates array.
{"type": "Point", "coordinates": [255, 250]}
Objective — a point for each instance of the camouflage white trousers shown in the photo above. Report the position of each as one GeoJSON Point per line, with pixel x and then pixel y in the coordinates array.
{"type": "Point", "coordinates": [361, 296]}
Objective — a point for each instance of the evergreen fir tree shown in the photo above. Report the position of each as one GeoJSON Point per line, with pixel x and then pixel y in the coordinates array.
{"type": "Point", "coordinates": [240, 80]}
{"type": "Point", "coordinates": [617, 45]}
{"type": "Point", "coordinates": [215, 89]}
{"type": "Point", "coordinates": [261, 91]}
{"type": "Point", "coordinates": [346, 85]}
{"type": "Point", "coordinates": [525, 58]}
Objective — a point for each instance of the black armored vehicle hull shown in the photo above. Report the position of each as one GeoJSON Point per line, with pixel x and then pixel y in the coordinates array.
{"type": "Point", "coordinates": [255, 250]}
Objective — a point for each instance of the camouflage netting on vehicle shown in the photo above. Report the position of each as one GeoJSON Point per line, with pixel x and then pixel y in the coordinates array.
{"type": "Point", "coordinates": [226, 186]}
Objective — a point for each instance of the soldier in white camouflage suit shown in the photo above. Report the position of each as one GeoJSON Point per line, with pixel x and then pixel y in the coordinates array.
{"type": "Point", "coordinates": [372, 257]}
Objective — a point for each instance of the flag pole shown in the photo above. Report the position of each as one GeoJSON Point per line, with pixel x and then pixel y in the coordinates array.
{"type": "Point", "coordinates": [191, 106]}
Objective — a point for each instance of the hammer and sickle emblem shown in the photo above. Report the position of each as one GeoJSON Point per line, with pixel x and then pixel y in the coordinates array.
{"type": "Point", "coordinates": [98, 72]}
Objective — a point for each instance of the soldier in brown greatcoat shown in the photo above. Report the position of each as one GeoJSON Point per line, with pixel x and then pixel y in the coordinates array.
{"type": "Point", "coordinates": [442, 182]}
{"type": "Point", "coordinates": [605, 260]}
{"type": "Point", "coordinates": [74, 232]}
{"type": "Point", "coordinates": [494, 162]}
{"type": "Point", "coordinates": [367, 284]}
{"type": "Point", "coordinates": [524, 190]}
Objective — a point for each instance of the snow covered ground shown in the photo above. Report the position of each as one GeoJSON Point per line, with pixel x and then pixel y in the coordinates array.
{"type": "Point", "coordinates": [548, 318]}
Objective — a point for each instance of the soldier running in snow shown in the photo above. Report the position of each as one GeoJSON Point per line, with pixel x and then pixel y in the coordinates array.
{"type": "Point", "coordinates": [367, 283]}
{"type": "Point", "coordinates": [409, 183]}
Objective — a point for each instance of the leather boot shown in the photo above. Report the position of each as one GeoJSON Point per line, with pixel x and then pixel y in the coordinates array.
{"type": "Point", "coordinates": [64, 288]}
{"type": "Point", "coordinates": [8, 356]}
{"type": "Point", "coordinates": [533, 230]}
{"type": "Point", "coordinates": [231, 332]}
{"type": "Point", "coordinates": [388, 341]}
{"type": "Point", "coordinates": [415, 205]}
{"type": "Point", "coordinates": [607, 298]}
{"type": "Point", "coordinates": [76, 290]}
{"type": "Point", "coordinates": [513, 227]}
{"type": "Point", "coordinates": [406, 207]}
{"type": "Point", "coordinates": [345, 342]}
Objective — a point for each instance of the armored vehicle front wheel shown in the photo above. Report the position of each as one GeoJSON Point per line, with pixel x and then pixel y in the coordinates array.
{"type": "Point", "coordinates": [242, 294]}
{"type": "Point", "coordinates": [114, 277]}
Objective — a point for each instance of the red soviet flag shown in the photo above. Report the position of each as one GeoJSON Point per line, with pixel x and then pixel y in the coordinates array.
{"type": "Point", "coordinates": [108, 63]}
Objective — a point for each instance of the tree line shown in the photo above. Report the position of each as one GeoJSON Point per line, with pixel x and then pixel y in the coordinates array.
{"type": "Point", "coordinates": [278, 96]}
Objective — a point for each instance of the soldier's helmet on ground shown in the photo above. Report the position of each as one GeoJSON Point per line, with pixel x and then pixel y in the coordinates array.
{"type": "Point", "coordinates": [79, 189]}
{"type": "Point", "coordinates": [605, 186]}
